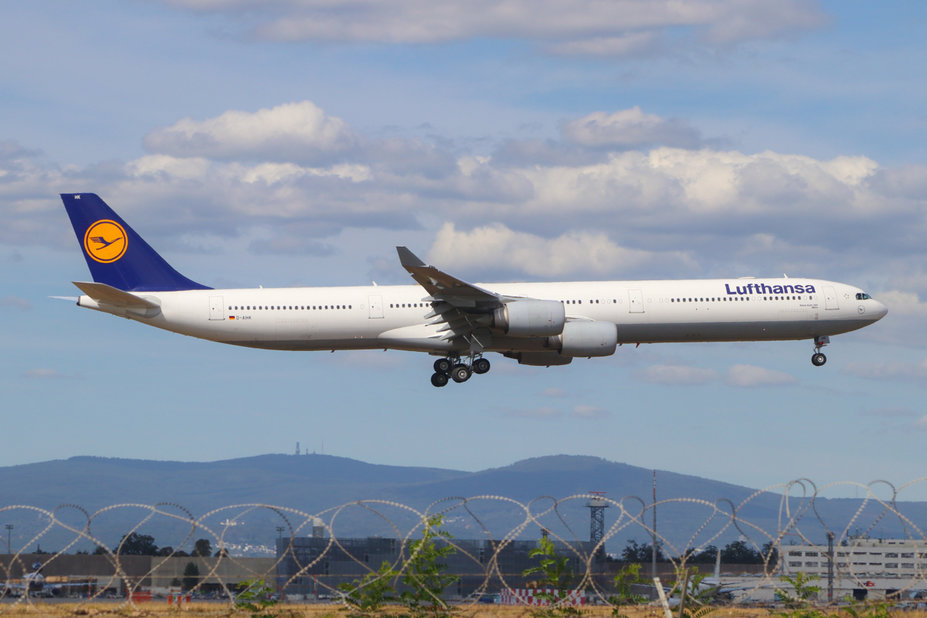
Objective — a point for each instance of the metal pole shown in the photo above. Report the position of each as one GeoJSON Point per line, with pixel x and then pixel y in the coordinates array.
{"type": "Point", "coordinates": [9, 530]}
{"type": "Point", "coordinates": [830, 567]}
{"type": "Point", "coordinates": [653, 546]}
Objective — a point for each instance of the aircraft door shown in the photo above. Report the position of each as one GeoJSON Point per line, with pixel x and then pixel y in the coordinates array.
{"type": "Point", "coordinates": [830, 298]}
{"type": "Point", "coordinates": [216, 308]}
{"type": "Point", "coordinates": [635, 301]}
{"type": "Point", "coordinates": [376, 307]}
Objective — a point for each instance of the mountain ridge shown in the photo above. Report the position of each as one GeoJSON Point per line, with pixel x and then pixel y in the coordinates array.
{"type": "Point", "coordinates": [500, 498]}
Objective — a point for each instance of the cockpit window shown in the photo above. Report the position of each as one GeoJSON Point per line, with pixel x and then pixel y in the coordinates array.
{"type": "Point", "coordinates": [862, 296]}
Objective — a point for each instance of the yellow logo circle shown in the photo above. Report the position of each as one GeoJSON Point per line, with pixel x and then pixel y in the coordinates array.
{"type": "Point", "coordinates": [105, 241]}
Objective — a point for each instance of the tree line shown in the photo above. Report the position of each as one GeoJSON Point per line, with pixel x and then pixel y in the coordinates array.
{"type": "Point", "coordinates": [736, 552]}
{"type": "Point", "coordinates": [135, 544]}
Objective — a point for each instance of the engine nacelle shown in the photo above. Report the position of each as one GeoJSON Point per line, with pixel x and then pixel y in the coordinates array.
{"type": "Point", "coordinates": [586, 339]}
{"type": "Point", "coordinates": [531, 318]}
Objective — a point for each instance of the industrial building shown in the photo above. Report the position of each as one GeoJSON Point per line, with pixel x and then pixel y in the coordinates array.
{"type": "Point", "coordinates": [313, 567]}
{"type": "Point", "coordinates": [861, 567]}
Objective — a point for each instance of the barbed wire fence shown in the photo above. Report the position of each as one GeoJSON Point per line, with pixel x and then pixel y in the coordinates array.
{"type": "Point", "coordinates": [782, 524]}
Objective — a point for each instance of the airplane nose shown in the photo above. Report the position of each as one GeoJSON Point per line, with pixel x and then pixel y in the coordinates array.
{"type": "Point", "coordinates": [880, 311]}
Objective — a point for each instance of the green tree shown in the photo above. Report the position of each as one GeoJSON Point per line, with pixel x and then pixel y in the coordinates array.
{"type": "Point", "coordinates": [738, 552]}
{"type": "Point", "coordinates": [628, 576]}
{"type": "Point", "coordinates": [688, 586]}
{"type": "Point", "coordinates": [255, 596]}
{"type": "Point", "coordinates": [366, 596]}
{"type": "Point", "coordinates": [636, 552]}
{"type": "Point", "coordinates": [555, 573]}
{"type": "Point", "coordinates": [425, 573]}
{"type": "Point", "coordinates": [803, 591]}
{"type": "Point", "coordinates": [135, 544]}
{"type": "Point", "coordinates": [705, 556]}
{"type": "Point", "coordinates": [202, 547]}
{"type": "Point", "coordinates": [770, 552]}
{"type": "Point", "coordinates": [191, 576]}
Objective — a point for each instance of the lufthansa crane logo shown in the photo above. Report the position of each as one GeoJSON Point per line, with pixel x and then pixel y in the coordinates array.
{"type": "Point", "coordinates": [105, 241]}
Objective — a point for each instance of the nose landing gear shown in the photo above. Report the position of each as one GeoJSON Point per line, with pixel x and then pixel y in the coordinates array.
{"type": "Point", "coordinates": [818, 358]}
{"type": "Point", "coordinates": [451, 368]}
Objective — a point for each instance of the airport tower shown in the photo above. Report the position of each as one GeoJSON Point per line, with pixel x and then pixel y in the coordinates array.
{"type": "Point", "coordinates": [596, 506]}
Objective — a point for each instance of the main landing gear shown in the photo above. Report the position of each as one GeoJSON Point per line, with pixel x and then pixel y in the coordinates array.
{"type": "Point", "coordinates": [818, 358]}
{"type": "Point", "coordinates": [451, 368]}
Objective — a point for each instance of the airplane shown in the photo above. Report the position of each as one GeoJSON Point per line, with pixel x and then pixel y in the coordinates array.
{"type": "Point", "coordinates": [539, 324]}
{"type": "Point", "coordinates": [34, 584]}
{"type": "Point", "coordinates": [701, 589]}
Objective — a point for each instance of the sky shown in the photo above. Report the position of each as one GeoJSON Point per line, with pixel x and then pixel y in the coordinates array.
{"type": "Point", "coordinates": [297, 142]}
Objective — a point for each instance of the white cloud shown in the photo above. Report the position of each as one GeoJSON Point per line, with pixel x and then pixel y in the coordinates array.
{"type": "Point", "coordinates": [494, 245]}
{"type": "Point", "coordinates": [15, 302]}
{"type": "Point", "coordinates": [539, 413]}
{"type": "Point", "coordinates": [629, 128]}
{"type": "Point", "coordinates": [588, 412]}
{"type": "Point", "coordinates": [592, 213]}
{"type": "Point", "coordinates": [166, 166]}
{"type": "Point", "coordinates": [43, 374]}
{"type": "Point", "coordinates": [622, 44]}
{"type": "Point", "coordinates": [618, 27]}
{"type": "Point", "coordinates": [750, 376]}
{"type": "Point", "coordinates": [903, 303]}
{"type": "Point", "coordinates": [296, 132]}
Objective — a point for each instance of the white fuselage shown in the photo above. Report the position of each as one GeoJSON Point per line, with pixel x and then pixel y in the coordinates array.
{"type": "Point", "coordinates": [394, 317]}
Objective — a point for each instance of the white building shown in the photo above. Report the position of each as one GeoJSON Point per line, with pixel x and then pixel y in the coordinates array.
{"type": "Point", "coordinates": [878, 566]}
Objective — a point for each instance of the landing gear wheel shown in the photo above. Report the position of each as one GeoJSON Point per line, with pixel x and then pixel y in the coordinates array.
{"type": "Point", "coordinates": [461, 373]}
{"type": "Point", "coordinates": [818, 359]}
{"type": "Point", "coordinates": [443, 365]}
{"type": "Point", "coordinates": [439, 379]}
{"type": "Point", "coordinates": [481, 365]}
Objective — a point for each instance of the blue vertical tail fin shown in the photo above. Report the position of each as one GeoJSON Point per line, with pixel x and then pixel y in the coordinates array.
{"type": "Point", "coordinates": [115, 253]}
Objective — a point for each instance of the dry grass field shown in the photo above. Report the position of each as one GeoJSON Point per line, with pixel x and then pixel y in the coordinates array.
{"type": "Point", "coordinates": [338, 611]}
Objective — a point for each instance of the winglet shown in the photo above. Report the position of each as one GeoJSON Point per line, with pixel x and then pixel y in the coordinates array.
{"type": "Point", "coordinates": [409, 259]}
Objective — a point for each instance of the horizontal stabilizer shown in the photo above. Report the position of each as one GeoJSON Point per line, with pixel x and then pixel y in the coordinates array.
{"type": "Point", "coordinates": [103, 293]}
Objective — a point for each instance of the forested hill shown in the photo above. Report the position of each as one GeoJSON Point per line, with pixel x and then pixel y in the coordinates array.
{"type": "Point", "coordinates": [692, 511]}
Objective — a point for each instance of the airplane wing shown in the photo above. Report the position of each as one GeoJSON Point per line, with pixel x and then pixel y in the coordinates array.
{"type": "Point", "coordinates": [443, 286]}
{"type": "Point", "coordinates": [103, 293]}
{"type": "Point", "coordinates": [463, 309]}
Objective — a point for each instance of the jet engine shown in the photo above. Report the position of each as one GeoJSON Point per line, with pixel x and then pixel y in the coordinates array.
{"type": "Point", "coordinates": [530, 318]}
{"type": "Point", "coordinates": [586, 339]}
